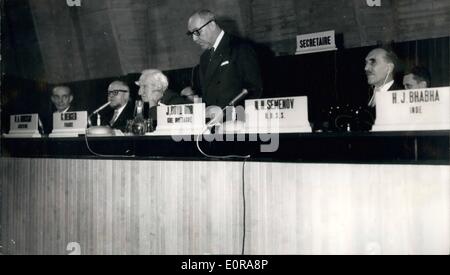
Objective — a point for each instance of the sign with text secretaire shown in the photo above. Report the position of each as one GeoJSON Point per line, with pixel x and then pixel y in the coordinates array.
{"type": "Point", "coordinates": [413, 110]}
{"type": "Point", "coordinates": [316, 42]}
{"type": "Point", "coordinates": [24, 126]}
{"type": "Point", "coordinates": [186, 119]}
{"type": "Point", "coordinates": [70, 124]}
{"type": "Point", "coordinates": [277, 115]}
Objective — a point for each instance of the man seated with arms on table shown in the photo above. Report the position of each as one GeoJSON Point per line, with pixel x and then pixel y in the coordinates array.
{"type": "Point", "coordinates": [381, 66]}
{"type": "Point", "coordinates": [61, 98]}
{"type": "Point", "coordinates": [417, 78]}
{"type": "Point", "coordinates": [228, 64]}
{"type": "Point", "coordinates": [121, 109]}
{"type": "Point", "coordinates": [153, 88]}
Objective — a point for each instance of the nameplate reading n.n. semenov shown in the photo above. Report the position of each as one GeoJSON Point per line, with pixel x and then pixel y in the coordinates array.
{"type": "Point", "coordinates": [277, 115]}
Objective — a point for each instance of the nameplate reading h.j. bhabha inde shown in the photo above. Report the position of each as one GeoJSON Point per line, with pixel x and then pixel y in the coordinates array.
{"type": "Point", "coordinates": [413, 110]}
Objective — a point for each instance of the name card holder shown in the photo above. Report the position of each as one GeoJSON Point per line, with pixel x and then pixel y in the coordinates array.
{"type": "Point", "coordinates": [413, 110]}
{"type": "Point", "coordinates": [188, 119]}
{"type": "Point", "coordinates": [24, 126]}
{"type": "Point", "coordinates": [66, 125]}
{"type": "Point", "coordinates": [277, 115]}
{"type": "Point", "coordinates": [316, 42]}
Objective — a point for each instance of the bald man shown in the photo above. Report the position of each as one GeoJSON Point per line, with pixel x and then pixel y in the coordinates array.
{"type": "Point", "coordinates": [228, 64]}
{"type": "Point", "coordinates": [380, 71]}
{"type": "Point", "coordinates": [121, 108]}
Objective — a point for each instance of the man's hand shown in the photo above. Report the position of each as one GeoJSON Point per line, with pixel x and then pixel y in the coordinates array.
{"type": "Point", "coordinates": [189, 93]}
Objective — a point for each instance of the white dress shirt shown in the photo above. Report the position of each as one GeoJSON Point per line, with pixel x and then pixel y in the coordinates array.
{"type": "Point", "coordinates": [380, 89]}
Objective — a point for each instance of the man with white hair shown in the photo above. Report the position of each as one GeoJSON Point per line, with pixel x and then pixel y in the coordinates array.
{"type": "Point", "coordinates": [154, 90]}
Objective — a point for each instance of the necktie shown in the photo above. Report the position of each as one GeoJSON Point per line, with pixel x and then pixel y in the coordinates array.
{"type": "Point", "coordinates": [211, 54]}
{"type": "Point", "coordinates": [372, 102]}
{"type": "Point", "coordinates": [116, 114]}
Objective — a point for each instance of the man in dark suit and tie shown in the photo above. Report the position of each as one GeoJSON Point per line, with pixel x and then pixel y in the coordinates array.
{"type": "Point", "coordinates": [227, 66]}
{"type": "Point", "coordinates": [121, 108]}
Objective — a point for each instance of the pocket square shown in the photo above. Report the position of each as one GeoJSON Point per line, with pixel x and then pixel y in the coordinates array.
{"type": "Point", "coordinates": [224, 63]}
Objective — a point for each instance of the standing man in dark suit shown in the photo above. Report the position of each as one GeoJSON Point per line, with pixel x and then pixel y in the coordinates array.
{"type": "Point", "coordinates": [227, 66]}
{"type": "Point", "coordinates": [121, 108]}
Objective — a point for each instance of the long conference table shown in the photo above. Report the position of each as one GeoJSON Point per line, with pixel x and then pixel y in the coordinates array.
{"type": "Point", "coordinates": [320, 193]}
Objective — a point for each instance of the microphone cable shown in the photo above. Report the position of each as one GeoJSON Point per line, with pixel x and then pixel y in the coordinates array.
{"type": "Point", "coordinates": [105, 156]}
{"type": "Point", "coordinates": [243, 208]}
{"type": "Point", "coordinates": [245, 159]}
{"type": "Point", "coordinates": [96, 112]}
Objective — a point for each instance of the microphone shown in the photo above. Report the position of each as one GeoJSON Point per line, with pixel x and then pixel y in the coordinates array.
{"type": "Point", "coordinates": [101, 108]}
{"type": "Point", "coordinates": [96, 112]}
{"type": "Point", "coordinates": [238, 97]}
{"type": "Point", "coordinates": [220, 115]}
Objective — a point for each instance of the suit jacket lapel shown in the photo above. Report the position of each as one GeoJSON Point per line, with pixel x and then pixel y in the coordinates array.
{"type": "Point", "coordinates": [217, 58]}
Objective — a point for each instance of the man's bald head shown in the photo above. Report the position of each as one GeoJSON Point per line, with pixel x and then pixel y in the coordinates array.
{"type": "Point", "coordinates": [203, 28]}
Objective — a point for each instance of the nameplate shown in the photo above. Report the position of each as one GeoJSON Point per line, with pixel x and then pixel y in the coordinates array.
{"type": "Point", "coordinates": [413, 110]}
{"type": "Point", "coordinates": [277, 115]}
{"type": "Point", "coordinates": [186, 119]}
{"type": "Point", "coordinates": [24, 126]}
{"type": "Point", "coordinates": [316, 42]}
{"type": "Point", "coordinates": [69, 124]}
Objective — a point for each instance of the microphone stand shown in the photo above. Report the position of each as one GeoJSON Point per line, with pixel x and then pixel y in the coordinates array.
{"type": "Point", "coordinates": [96, 112]}
{"type": "Point", "coordinates": [99, 130]}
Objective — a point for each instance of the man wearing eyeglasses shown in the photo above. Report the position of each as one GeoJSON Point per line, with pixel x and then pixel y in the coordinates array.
{"type": "Point", "coordinates": [121, 109]}
{"type": "Point", "coordinates": [228, 64]}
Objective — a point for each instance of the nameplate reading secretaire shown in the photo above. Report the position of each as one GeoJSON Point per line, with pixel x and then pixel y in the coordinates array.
{"type": "Point", "coordinates": [413, 110]}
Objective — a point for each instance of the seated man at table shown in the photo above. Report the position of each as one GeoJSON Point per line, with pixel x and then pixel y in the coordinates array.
{"type": "Point", "coordinates": [121, 109]}
{"type": "Point", "coordinates": [381, 66]}
{"type": "Point", "coordinates": [61, 98]}
{"type": "Point", "coordinates": [154, 90]}
{"type": "Point", "coordinates": [417, 78]}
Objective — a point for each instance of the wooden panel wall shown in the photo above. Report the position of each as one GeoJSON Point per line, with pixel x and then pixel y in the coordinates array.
{"type": "Point", "coordinates": [133, 207]}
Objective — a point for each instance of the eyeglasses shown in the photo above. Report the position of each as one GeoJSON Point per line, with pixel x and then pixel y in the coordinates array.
{"type": "Point", "coordinates": [197, 31]}
{"type": "Point", "coordinates": [116, 92]}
